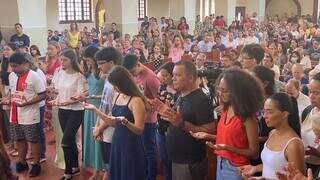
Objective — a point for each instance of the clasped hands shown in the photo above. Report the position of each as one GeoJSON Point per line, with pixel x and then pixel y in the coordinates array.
{"type": "Point", "coordinates": [167, 113]}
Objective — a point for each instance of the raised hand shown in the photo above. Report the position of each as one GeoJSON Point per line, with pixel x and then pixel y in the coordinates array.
{"type": "Point", "coordinates": [97, 134]}
{"type": "Point", "coordinates": [88, 106]}
{"type": "Point", "coordinates": [247, 171]}
{"type": "Point", "coordinates": [202, 135]}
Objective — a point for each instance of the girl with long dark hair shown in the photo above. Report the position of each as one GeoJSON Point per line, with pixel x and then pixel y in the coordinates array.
{"type": "Point", "coordinates": [284, 143]}
{"type": "Point", "coordinates": [237, 129]}
{"type": "Point", "coordinates": [127, 158]}
{"type": "Point", "coordinates": [168, 95]}
{"type": "Point", "coordinates": [4, 88]}
{"type": "Point", "coordinates": [91, 148]}
{"type": "Point", "coordinates": [71, 85]}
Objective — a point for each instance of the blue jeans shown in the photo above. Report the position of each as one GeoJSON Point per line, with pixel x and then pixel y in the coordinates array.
{"type": "Point", "coordinates": [225, 170]}
{"type": "Point", "coordinates": [42, 138]}
{"type": "Point", "coordinates": [149, 141]}
{"type": "Point", "coordinates": [165, 162]}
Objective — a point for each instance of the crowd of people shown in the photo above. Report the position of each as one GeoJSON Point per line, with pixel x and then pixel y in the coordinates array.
{"type": "Point", "coordinates": [109, 110]}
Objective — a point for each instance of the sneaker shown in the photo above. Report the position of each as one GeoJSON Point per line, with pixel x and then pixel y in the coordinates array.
{"type": "Point", "coordinates": [44, 159]}
{"type": "Point", "coordinates": [66, 177]}
{"type": "Point", "coordinates": [22, 167]}
{"type": "Point", "coordinates": [35, 170]}
{"type": "Point", "coordinates": [75, 171]}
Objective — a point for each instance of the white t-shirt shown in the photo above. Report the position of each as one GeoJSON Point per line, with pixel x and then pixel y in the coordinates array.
{"type": "Point", "coordinates": [232, 44]}
{"type": "Point", "coordinates": [306, 62]}
{"type": "Point", "coordinates": [276, 71]}
{"type": "Point", "coordinates": [24, 88]}
{"type": "Point", "coordinates": [44, 81]}
{"type": "Point", "coordinates": [308, 137]}
{"type": "Point", "coordinates": [303, 102]}
{"type": "Point", "coordinates": [251, 40]}
{"type": "Point", "coordinates": [69, 85]}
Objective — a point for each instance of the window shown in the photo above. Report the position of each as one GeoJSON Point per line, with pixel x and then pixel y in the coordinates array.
{"type": "Point", "coordinates": [207, 7]}
{"type": "Point", "coordinates": [141, 9]}
{"type": "Point", "coordinates": [74, 10]}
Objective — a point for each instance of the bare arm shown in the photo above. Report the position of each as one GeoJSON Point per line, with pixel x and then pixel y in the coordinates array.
{"type": "Point", "coordinates": [106, 118]}
{"type": "Point", "coordinates": [208, 128]}
{"type": "Point", "coordinates": [251, 127]}
{"type": "Point", "coordinates": [35, 100]}
{"type": "Point", "coordinates": [295, 153]}
{"type": "Point", "coordinates": [139, 113]}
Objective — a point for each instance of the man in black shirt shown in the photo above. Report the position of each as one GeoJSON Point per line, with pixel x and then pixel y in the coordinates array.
{"type": "Point", "coordinates": [193, 113]}
{"type": "Point", "coordinates": [20, 39]}
{"type": "Point", "coordinates": [52, 36]}
{"type": "Point", "coordinates": [115, 31]}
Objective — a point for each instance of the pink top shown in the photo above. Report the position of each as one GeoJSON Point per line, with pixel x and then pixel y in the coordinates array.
{"type": "Point", "coordinates": [176, 54]}
{"type": "Point", "coordinates": [149, 85]}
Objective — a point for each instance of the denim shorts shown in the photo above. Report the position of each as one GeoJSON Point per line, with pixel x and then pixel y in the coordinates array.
{"type": "Point", "coordinates": [227, 171]}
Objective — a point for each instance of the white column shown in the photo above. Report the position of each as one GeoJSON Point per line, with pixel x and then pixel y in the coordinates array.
{"type": "Point", "coordinates": [33, 17]}
{"type": "Point", "coordinates": [226, 8]}
{"type": "Point", "coordinates": [130, 17]}
{"type": "Point", "coordinates": [190, 13]}
{"type": "Point", "coordinates": [124, 13]}
{"type": "Point", "coordinates": [183, 8]}
{"type": "Point", "coordinates": [262, 10]}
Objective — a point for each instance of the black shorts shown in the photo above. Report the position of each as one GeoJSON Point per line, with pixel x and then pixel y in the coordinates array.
{"type": "Point", "coordinates": [29, 133]}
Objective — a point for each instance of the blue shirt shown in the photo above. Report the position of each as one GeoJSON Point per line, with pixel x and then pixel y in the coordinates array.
{"type": "Point", "coordinates": [20, 41]}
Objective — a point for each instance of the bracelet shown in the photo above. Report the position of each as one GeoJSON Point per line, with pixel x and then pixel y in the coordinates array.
{"type": "Point", "coordinates": [124, 122]}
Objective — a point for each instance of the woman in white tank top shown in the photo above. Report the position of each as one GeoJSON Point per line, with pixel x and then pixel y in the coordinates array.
{"type": "Point", "coordinates": [284, 143]}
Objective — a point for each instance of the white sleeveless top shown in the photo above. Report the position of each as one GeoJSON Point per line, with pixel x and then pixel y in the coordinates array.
{"type": "Point", "coordinates": [274, 161]}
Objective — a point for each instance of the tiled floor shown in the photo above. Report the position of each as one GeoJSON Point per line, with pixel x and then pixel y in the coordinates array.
{"type": "Point", "coordinates": [50, 171]}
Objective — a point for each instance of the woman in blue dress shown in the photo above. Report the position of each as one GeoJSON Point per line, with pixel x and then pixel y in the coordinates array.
{"type": "Point", "coordinates": [92, 157]}
{"type": "Point", "coordinates": [127, 158]}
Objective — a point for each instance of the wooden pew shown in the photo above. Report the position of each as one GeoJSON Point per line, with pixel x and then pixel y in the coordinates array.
{"type": "Point", "coordinates": [150, 65]}
{"type": "Point", "coordinates": [187, 57]}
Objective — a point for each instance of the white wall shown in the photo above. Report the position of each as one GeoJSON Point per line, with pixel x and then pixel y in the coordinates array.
{"type": "Point", "coordinates": [281, 7]}
{"type": "Point", "coordinates": [9, 15]}
{"type": "Point", "coordinates": [158, 8]}
{"type": "Point", "coordinates": [306, 7]}
{"type": "Point", "coordinates": [252, 6]}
